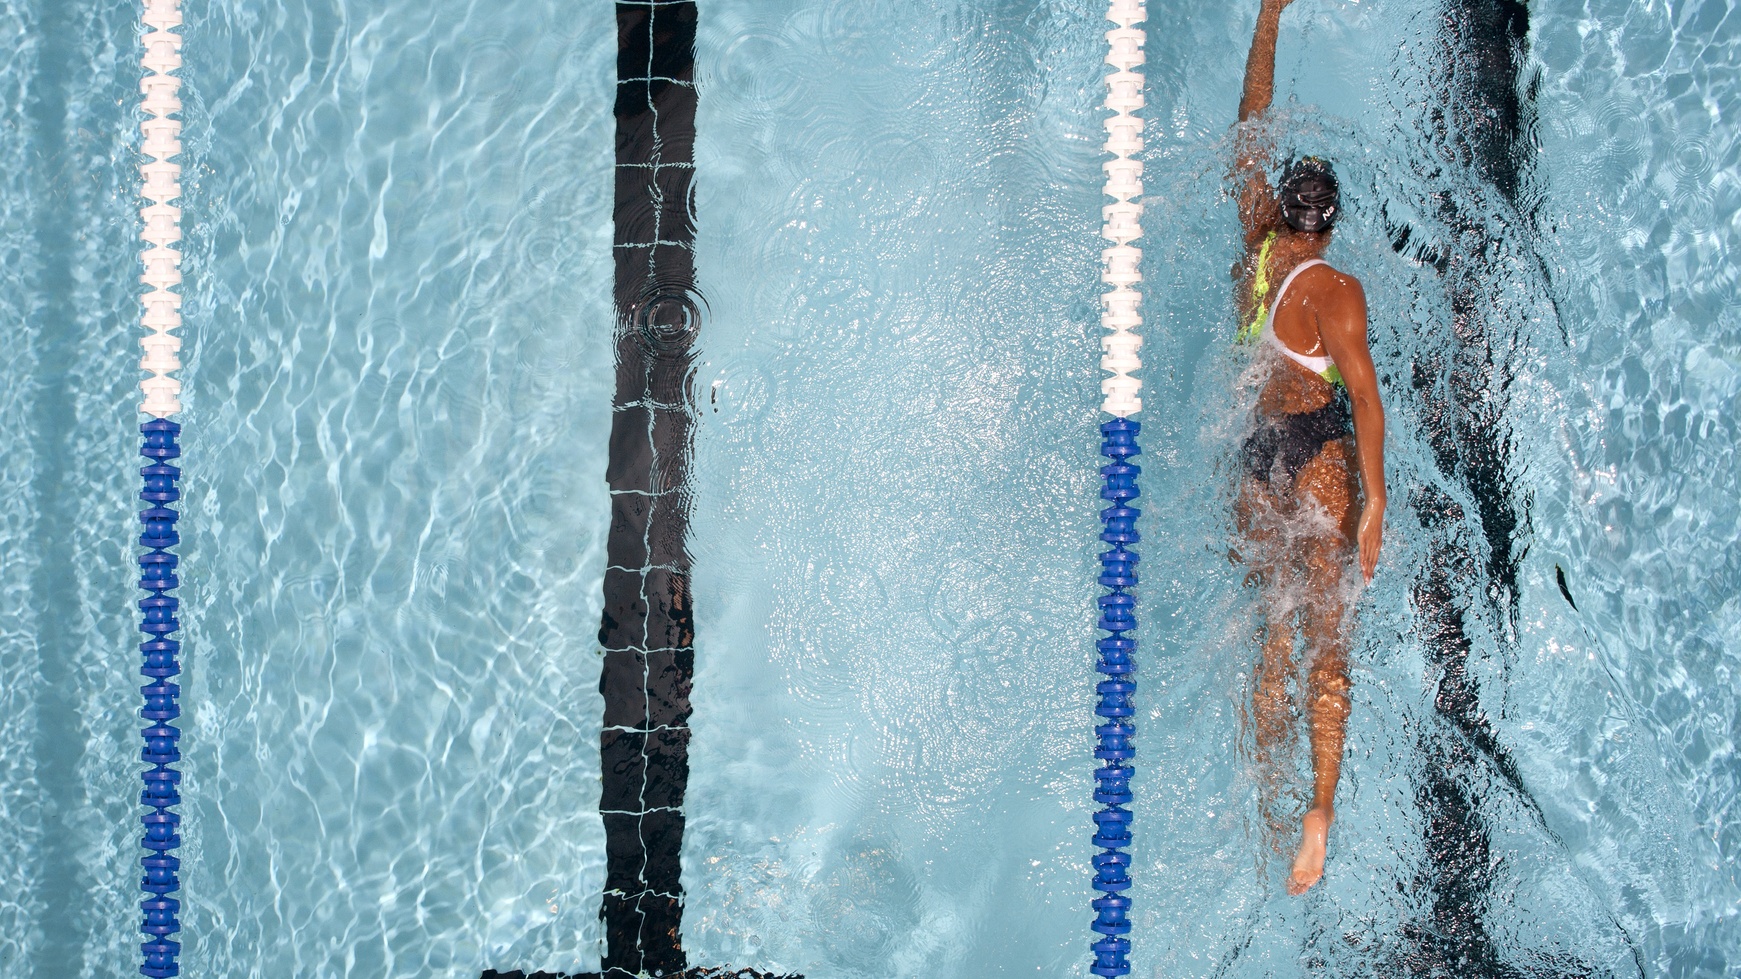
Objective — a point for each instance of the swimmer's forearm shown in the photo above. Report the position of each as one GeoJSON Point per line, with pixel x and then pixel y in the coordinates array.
{"type": "Point", "coordinates": [1260, 64]}
{"type": "Point", "coordinates": [1369, 445]}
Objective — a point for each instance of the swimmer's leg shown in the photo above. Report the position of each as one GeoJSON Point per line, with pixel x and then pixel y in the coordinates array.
{"type": "Point", "coordinates": [1327, 710]}
{"type": "Point", "coordinates": [1254, 520]}
{"type": "Point", "coordinates": [1273, 570]}
{"type": "Point", "coordinates": [1329, 485]}
{"type": "Point", "coordinates": [1272, 711]}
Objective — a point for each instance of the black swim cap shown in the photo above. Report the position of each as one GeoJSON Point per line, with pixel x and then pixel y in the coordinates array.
{"type": "Point", "coordinates": [1311, 198]}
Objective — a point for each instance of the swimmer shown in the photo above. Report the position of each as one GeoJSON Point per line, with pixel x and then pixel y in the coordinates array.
{"type": "Point", "coordinates": [1311, 499]}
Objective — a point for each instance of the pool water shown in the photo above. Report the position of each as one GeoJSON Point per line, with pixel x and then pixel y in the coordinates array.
{"type": "Point", "coordinates": [398, 391]}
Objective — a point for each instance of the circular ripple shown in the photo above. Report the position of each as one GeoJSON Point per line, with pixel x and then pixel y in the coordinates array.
{"type": "Point", "coordinates": [1622, 125]}
{"type": "Point", "coordinates": [910, 167]}
{"type": "Point", "coordinates": [430, 585]}
{"type": "Point", "coordinates": [492, 71]}
{"type": "Point", "coordinates": [548, 252]}
{"type": "Point", "coordinates": [1581, 248]}
{"type": "Point", "coordinates": [545, 354]}
{"type": "Point", "coordinates": [1694, 211]}
{"type": "Point", "coordinates": [758, 74]}
{"type": "Point", "coordinates": [848, 30]}
{"type": "Point", "coordinates": [1692, 157]}
{"type": "Point", "coordinates": [667, 320]}
{"type": "Point", "coordinates": [862, 903]}
{"type": "Point", "coordinates": [739, 394]}
{"type": "Point", "coordinates": [1724, 286]}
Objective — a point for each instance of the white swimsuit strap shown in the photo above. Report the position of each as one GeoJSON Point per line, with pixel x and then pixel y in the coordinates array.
{"type": "Point", "coordinates": [1316, 365]}
{"type": "Point", "coordinates": [1289, 280]}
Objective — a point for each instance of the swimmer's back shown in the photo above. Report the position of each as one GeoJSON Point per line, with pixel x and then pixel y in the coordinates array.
{"type": "Point", "coordinates": [1319, 296]}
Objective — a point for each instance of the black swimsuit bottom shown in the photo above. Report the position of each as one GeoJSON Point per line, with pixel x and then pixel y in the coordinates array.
{"type": "Point", "coordinates": [1291, 441]}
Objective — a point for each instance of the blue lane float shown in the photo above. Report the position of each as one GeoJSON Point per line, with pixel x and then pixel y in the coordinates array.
{"type": "Point", "coordinates": [1115, 733]}
{"type": "Point", "coordinates": [159, 653]}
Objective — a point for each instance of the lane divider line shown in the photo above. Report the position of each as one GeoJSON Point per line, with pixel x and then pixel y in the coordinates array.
{"type": "Point", "coordinates": [160, 183]}
{"type": "Point", "coordinates": [1121, 315]}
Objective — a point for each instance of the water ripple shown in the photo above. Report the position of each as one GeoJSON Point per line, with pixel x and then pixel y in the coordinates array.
{"type": "Point", "coordinates": [392, 413]}
{"type": "Point", "coordinates": [400, 372]}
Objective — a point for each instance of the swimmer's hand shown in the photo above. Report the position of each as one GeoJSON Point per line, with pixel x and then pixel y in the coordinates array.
{"type": "Point", "coordinates": [1371, 535]}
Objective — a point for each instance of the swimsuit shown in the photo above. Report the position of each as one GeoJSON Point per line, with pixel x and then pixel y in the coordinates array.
{"type": "Point", "coordinates": [1262, 326]}
{"type": "Point", "coordinates": [1292, 440]}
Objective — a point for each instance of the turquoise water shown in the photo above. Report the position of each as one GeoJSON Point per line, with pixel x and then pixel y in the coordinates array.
{"type": "Point", "coordinates": [397, 390]}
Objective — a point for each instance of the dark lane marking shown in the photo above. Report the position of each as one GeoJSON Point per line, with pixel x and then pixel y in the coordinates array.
{"type": "Point", "coordinates": [647, 634]}
{"type": "Point", "coordinates": [697, 972]}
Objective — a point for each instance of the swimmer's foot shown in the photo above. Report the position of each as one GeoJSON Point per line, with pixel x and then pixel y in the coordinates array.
{"type": "Point", "coordinates": [1314, 839]}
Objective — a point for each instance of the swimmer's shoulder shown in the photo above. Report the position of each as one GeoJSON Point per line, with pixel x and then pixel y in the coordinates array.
{"type": "Point", "coordinates": [1325, 282]}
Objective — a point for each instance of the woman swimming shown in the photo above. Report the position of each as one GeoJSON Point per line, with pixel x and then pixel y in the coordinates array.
{"type": "Point", "coordinates": [1312, 493]}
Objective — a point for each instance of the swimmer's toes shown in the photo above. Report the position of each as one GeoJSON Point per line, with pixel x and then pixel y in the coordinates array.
{"type": "Point", "coordinates": [1314, 840]}
{"type": "Point", "coordinates": [1299, 882]}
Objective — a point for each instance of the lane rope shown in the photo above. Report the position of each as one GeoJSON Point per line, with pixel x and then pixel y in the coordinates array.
{"type": "Point", "coordinates": [1121, 311]}
{"type": "Point", "coordinates": [1121, 315]}
{"type": "Point", "coordinates": [160, 183]}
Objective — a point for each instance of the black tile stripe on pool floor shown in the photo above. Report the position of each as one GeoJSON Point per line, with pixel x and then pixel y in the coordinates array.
{"type": "Point", "coordinates": [647, 633]}
{"type": "Point", "coordinates": [685, 974]}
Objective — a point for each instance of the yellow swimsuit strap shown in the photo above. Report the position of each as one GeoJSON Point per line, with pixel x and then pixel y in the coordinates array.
{"type": "Point", "coordinates": [1259, 291]}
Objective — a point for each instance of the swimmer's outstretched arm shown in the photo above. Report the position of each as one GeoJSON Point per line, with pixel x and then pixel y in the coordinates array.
{"type": "Point", "coordinates": [1342, 324]}
{"type": "Point", "coordinates": [1257, 201]}
{"type": "Point", "coordinates": [1260, 64]}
